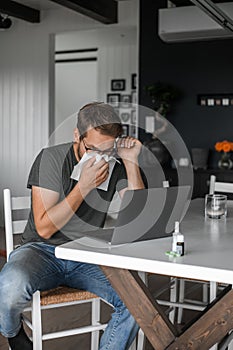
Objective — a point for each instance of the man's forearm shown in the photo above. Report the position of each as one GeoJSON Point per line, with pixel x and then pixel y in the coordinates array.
{"type": "Point", "coordinates": [134, 177]}
{"type": "Point", "coordinates": [52, 219]}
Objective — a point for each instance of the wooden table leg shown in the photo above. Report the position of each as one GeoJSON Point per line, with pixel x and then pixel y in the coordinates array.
{"type": "Point", "coordinates": [208, 330]}
{"type": "Point", "coordinates": [148, 314]}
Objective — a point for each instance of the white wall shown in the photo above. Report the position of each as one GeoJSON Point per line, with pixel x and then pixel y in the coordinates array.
{"type": "Point", "coordinates": [75, 85]}
{"type": "Point", "coordinates": [117, 51]}
{"type": "Point", "coordinates": [116, 59]}
{"type": "Point", "coordinates": [25, 89]}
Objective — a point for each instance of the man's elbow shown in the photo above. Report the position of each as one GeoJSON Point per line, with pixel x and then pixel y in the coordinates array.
{"type": "Point", "coordinates": [44, 232]}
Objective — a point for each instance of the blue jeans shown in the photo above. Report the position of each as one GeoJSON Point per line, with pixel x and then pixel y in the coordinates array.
{"type": "Point", "coordinates": [34, 267]}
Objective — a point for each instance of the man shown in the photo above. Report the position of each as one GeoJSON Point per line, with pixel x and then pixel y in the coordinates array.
{"type": "Point", "coordinates": [62, 209]}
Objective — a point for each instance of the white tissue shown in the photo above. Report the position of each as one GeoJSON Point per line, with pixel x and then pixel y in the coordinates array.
{"type": "Point", "coordinates": [76, 173]}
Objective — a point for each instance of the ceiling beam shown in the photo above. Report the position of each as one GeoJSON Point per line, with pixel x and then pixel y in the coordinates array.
{"type": "Point", "coordinates": [14, 9]}
{"type": "Point", "coordinates": [104, 11]}
{"type": "Point", "coordinates": [213, 11]}
{"type": "Point", "coordinates": [189, 3]}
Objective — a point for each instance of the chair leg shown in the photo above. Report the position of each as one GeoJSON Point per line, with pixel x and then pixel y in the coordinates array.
{"type": "Point", "coordinates": [213, 294]}
{"type": "Point", "coordinates": [205, 293]}
{"type": "Point", "coordinates": [138, 343]}
{"type": "Point", "coordinates": [95, 315]}
{"type": "Point", "coordinates": [181, 300]}
{"type": "Point", "coordinates": [213, 290]}
{"type": "Point", "coordinates": [173, 297]}
{"type": "Point", "coordinates": [133, 346]}
{"type": "Point", "coordinates": [227, 343]}
{"type": "Point", "coordinates": [36, 322]}
{"type": "Point", "coordinates": [141, 338]}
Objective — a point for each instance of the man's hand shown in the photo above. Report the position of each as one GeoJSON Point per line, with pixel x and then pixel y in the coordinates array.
{"type": "Point", "coordinates": [51, 215]}
{"type": "Point", "coordinates": [128, 148]}
{"type": "Point", "coordinates": [93, 175]}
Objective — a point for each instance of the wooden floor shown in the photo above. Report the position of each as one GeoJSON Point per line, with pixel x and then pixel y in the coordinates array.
{"type": "Point", "coordinates": [55, 320]}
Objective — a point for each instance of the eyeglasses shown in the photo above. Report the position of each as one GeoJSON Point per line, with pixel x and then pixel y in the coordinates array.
{"type": "Point", "coordinates": [109, 151]}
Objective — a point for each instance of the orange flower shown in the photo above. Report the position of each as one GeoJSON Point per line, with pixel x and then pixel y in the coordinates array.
{"type": "Point", "coordinates": [225, 146]}
{"type": "Point", "coordinates": [218, 146]}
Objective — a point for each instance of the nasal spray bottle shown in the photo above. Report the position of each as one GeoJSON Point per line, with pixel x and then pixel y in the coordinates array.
{"type": "Point", "coordinates": [178, 240]}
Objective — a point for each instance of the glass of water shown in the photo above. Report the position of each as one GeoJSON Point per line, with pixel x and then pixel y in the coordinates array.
{"type": "Point", "coordinates": [215, 206]}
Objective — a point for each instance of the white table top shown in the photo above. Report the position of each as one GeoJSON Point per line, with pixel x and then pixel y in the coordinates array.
{"type": "Point", "coordinates": [208, 250]}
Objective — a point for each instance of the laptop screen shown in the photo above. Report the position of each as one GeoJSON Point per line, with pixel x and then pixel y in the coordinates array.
{"type": "Point", "coordinates": [150, 213]}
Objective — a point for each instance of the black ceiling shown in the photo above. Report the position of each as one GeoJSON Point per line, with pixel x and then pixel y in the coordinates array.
{"type": "Point", "coordinates": [15, 9]}
{"type": "Point", "coordinates": [188, 2]}
{"type": "Point", "coordinates": [104, 11]}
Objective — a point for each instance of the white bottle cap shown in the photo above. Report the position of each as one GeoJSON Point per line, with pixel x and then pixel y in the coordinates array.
{"type": "Point", "coordinates": [177, 226]}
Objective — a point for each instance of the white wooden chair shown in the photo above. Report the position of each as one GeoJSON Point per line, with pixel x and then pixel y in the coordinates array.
{"type": "Point", "coordinates": [58, 297]}
{"type": "Point", "coordinates": [216, 186]}
{"type": "Point", "coordinates": [210, 289]}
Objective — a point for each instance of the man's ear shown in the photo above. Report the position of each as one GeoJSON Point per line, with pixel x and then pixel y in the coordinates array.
{"type": "Point", "coordinates": [76, 135]}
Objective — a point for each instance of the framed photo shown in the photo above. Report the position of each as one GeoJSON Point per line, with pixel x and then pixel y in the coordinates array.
{"type": "Point", "coordinates": [113, 99]}
{"type": "Point", "coordinates": [134, 81]}
{"type": "Point", "coordinates": [133, 131]}
{"type": "Point", "coordinates": [125, 130]}
{"type": "Point", "coordinates": [134, 97]}
{"type": "Point", "coordinates": [118, 84]}
{"type": "Point", "coordinates": [203, 101]}
{"type": "Point", "coordinates": [125, 117]}
{"type": "Point", "coordinates": [133, 116]}
{"type": "Point", "coordinates": [125, 101]}
{"type": "Point", "coordinates": [219, 100]}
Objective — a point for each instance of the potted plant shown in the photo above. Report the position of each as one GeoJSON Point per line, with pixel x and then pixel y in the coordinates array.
{"type": "Point", "coordinates": [162, 96]}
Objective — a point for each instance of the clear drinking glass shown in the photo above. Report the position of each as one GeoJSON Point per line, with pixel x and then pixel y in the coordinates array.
{"type": "Point", "coordinates": [215, 206]}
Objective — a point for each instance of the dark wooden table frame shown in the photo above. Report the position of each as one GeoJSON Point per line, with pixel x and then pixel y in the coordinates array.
{"type": "Point", "coordinates": [208, 330]}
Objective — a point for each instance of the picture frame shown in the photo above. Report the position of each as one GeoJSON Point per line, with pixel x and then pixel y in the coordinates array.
{"type": "Point", "coordinates": [125, 130]}
{"type": "Point", "coordinates": [215, 100]}
{"type": "Point", "coordinates": [125, 117]}
{"type": "Point", "coordinates": [134, 97]}
{"type": "Point", "coordinates": [134, 81]}
{"type": "Point", "coordinates": [118, 84]}
{"type": "Point", "coordinates": [133, 131]}
{"type": "Point", "coordinates": [113, 100]}
{"type": "Point", "coordinates": [125, 101]}
{"type": "Point", "coordinates": [133, 116]}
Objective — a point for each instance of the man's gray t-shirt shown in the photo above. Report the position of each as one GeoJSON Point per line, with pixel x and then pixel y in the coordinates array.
{"type": "Point", "coordinates": [52, 170]}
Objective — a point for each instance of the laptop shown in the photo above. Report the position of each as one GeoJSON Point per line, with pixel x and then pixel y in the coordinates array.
{"type": "Point", "coordinates": [144, 214]}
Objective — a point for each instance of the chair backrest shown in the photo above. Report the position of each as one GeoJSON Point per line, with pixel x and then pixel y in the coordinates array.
{"type": "Point", "coordinates": [14, 226]}
{"type": "Point", "coordinates": [216, 186]}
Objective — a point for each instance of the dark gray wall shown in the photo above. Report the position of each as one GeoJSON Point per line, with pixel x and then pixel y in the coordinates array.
{"type": "Point", "coordinates": [204, 67]}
